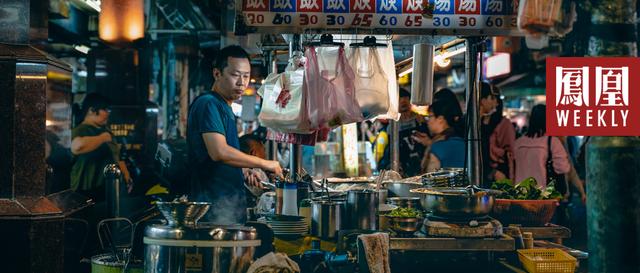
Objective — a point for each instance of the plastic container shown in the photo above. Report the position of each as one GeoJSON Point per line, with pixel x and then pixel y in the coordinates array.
{"type": "Point", "coordinates": [547, 260]}
{"type": "Point", "coordinates": [290, 199]}
{"type": "Point", "coordinates": [527, 238]}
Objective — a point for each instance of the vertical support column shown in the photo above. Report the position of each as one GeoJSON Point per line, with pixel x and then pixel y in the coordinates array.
{"type": "Point", "coordinates": [271, 147]}
{"type": "Point", "coordinates": [394, 152]}
{"type": "Point", "coordinates": [295, 159]}
{"type": "Point", "coordinates": [474, 161]}
{"type": "Point", "coordinates": [612, 163]}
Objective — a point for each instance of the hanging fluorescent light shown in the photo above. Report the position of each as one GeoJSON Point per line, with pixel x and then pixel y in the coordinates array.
{"type": "Point", "coordinates": [94, 4]}
{"type": "Point", "coordinates": [439, 59]}
{"type": "Point", "coordinates": [82, 48]}
{"type": "Point", "coordinates": [448, 54]}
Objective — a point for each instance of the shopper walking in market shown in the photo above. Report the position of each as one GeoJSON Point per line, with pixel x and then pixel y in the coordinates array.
{"type": "Point", "coordinates": [213, 143]}
{"type": "Point", "coordinates": [497, 137]}
{"type": "Point", "coordinates": [410, 123]}
{"type": "Point", "coordinates": [533, 148]}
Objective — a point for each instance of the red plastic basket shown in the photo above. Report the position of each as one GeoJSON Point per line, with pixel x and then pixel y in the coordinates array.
{"type": "Point", "coordinates": [524, 212]}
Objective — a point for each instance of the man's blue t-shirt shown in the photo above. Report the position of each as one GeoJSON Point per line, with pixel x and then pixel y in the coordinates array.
{"type": "Point", "coordinates": [213, 181]}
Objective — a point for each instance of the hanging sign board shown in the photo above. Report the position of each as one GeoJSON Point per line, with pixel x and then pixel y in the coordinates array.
{"type": "Point", "coordinates": [424, 17]}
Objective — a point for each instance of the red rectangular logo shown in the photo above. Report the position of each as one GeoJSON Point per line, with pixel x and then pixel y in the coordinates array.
{"type": "Point", "coordinates": [255, 5]}
{"type": "Point", "coordinates": [363, 6]}
{"type": "Point", "coordinates": [309, 5]}
{"type": "Point", "coordinates": [413, 6]}
{"type": "Point", "coordinates": [467, 6]}
{"type": "Point", "coordinates": [593, 96]}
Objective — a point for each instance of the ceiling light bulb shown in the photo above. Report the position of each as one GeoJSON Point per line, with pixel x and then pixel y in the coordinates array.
{"type": "Point", "coordinates": [443, 62]}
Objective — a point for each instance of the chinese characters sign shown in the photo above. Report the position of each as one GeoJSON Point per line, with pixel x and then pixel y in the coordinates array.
{"type": "Point", "coordinates": [482, 17]}
{"type": "Point", "coordinates": [593, 96]}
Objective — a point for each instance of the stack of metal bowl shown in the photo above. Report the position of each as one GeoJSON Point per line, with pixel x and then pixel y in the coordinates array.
{"type": "Point", "coordinates": [450, 177]}
{"type": "Point", "coordinates": [180, 213]}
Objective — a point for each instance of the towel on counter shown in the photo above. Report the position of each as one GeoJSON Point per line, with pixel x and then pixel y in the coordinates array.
{"type": "Point", "coordinates": [274, 263]}
{"type": "Point", "coordinates": [376, 251]}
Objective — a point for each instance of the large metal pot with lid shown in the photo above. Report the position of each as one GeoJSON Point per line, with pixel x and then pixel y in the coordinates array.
{"type": "Point", "coordinates": [362, 209]}
{"type": "Point", "coordinates": [199, 248]}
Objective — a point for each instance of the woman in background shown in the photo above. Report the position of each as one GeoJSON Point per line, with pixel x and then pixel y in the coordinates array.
{"type": "Point", "coordinates": [532, 150]}
{"type": "Point", "coordinates": [445, 123]}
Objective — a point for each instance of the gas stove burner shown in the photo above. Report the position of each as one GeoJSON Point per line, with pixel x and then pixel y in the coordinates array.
{"type": "Point", "coordinates": [458, 219]}
{"type": "Point", "coordinates": [477, 228]}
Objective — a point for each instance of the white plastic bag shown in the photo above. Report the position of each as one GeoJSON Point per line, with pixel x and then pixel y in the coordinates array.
{"type": "Point", "coordinates": [372, 89]}
{"type": "Point", "coordinates": [284, 99]}
{"type": "Point", "coordinates": [388, 64]}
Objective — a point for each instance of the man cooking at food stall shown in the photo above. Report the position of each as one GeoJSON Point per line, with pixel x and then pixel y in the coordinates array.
{"type": "Point", "coordinates": [214, 156]}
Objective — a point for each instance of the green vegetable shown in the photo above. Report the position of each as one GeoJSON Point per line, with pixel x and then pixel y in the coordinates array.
{"type": "Point", "coordinates": [527, 189]}
{"type": "Point", "coordinates": [405, 213]}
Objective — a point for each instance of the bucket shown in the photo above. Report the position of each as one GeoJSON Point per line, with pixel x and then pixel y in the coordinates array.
{"type": "Point", "coordinates": [106, 263]}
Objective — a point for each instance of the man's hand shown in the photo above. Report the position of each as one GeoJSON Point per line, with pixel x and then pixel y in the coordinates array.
{"type": "Point", "coordinates": [106, 137]}
{"type": "Point", "coordinates": [273, 167]}
{"type": "Point", "coordinates": [251, 178]}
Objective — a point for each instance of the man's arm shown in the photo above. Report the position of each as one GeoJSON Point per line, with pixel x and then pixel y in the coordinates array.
{"type": "Point", "coordinates": [218, 150]}
{"type": "Point", "coordinates": [85, 144]}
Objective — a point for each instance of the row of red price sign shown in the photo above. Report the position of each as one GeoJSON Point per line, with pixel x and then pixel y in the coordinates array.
{"type": "Point", "coordinates": [487, 16]}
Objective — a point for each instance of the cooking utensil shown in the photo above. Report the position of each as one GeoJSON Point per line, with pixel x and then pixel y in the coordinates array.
{"type": "Point", "coordinates": [405, 224]}
{"type": "Point", "coordinates": [455, 202]}
{"type": "Point", "coordinates": [444, 178]}
{"type": "Point", "coordinates": [405, 202]}
{"type": "Point", "coordinates": [327, 217]}
{"type": "Point", "coordinates": [206, 248]}
{"type": "Point", "coordinates": [362, 208]}
{"type": "Point", "coordinates": [401, 189]}
{"type": "Point", "coordinates": [180, 213]}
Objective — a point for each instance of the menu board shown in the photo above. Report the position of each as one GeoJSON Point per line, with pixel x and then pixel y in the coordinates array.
{"type": "Point", "coordinates": [464, 17]}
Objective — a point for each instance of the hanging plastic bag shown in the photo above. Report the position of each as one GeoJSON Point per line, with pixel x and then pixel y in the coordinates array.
{"type": "Point", "coordinates": [371, 84]}
{"type": "Point", "coordinates": [537, 17]}
{"type": "Point", "coordinates": [284, 99]}
{"type": "Point", "coordinates": [330, 89]}
{"type": "Point", "coordinates": [302, 139]}
{"type": "Point", "coordinates": [387, 63]}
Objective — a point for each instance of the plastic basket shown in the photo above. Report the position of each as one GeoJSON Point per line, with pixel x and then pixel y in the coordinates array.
{"type": "Point", "coordinates": [547, 260]}
{"type": "Point", "coordinates": [524, 212]}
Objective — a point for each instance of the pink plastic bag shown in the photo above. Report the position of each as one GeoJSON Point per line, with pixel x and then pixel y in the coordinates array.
{"type": "Point", "coordinates": [302, 139]}
{"type": "Point", "coordinates": [332, 97]}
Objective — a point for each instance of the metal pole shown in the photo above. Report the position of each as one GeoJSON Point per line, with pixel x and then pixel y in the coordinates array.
{"type": "Point", "coordinates": [270, 61]}
{"type": "Point", "coordinates": [113, 177]}
{"type": "Point", "coordinates": [395, 146]}
{"type": "Point", "coordinates": [474, 161]}
{"type": "Point", "coordinates": [295, 159]}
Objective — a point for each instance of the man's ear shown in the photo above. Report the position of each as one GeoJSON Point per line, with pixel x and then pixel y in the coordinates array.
{"type": "Point", "coordinates": [217, 73]}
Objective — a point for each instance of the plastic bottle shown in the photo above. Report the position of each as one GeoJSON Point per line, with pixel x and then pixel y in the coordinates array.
{"type": "Point", "coordinates": [290, 199]}
{"type": "Point", "coordinates": [279, 196]}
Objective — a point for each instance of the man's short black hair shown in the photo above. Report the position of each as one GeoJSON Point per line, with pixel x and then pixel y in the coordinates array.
{"type": "Point", "coordinates": [404, 92]}
{"type": "Point", "coordinates": [94, 101]}
{"type": "Point", "coordinates": [233, 51]}
{"type": "Point", "coordinates": [246, 141]}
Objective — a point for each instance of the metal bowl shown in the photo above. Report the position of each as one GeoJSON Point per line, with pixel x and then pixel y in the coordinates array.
{"type": "Point", "coordinates": [445, 178]}
{"type": "Point", "coordinates": [405, 202]}
{"type": "Point", "coordinates": [401, 189]}
{"type": "Point", "coordinates": [455, 202]}
{"type": "Point", "coordinates": [183, 213]}
{"type": "Point", "coordinates": [405, 224]}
